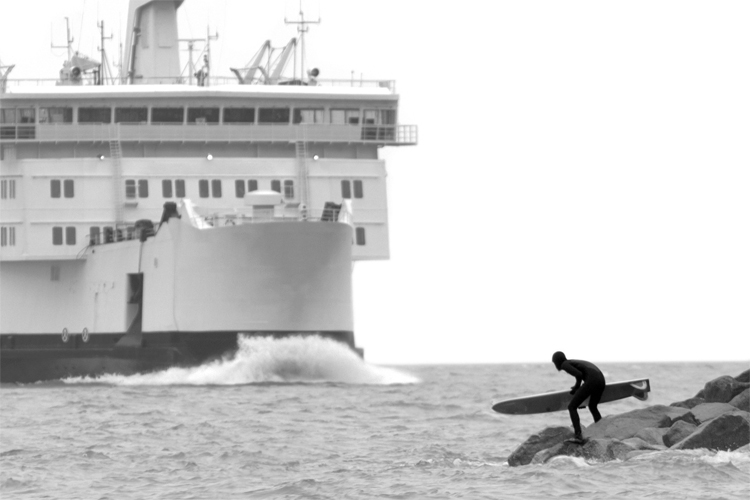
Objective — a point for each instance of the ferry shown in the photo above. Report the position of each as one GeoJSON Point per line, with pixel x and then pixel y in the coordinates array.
{"type": "Point", "coordinates": [150, 218]}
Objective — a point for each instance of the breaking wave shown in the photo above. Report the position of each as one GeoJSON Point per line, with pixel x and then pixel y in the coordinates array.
{"type": "Point", "coordinates": [268, 360]}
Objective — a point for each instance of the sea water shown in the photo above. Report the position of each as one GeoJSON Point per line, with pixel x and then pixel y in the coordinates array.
{"type": "Point", "coordinates": [306, 418]}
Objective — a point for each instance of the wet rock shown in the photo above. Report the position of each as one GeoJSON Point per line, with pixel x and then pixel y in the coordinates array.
{"type": "Point", "coordinates": [723, 389]}
{"type": "Point", "coordinates": [689, 403]}
{"type": "Point", "coordinates": [743, 377]}
{"type": "Point", "coordinates": [640, 444]}
{"type": "Point", "coordinates": [652, 435]}
{"type": "Point", "coordinates": [707, 411]}
{"type": "Point", "coordinates": [595, 450]}
{"type": "Point", "coordinates": [638, 453]}
{"type": "Point", "coordinates": [618, 450]}
{"type": "Point", "coordinates": [742, 400]}
{"type": "Point", "coordinates": [679, 431]}
{"type": "Point", "coordinates": [628, 424]}
{"type": "Point", "coordinates": [548, 438]}
{"type": "Point", "coordinates": [726, 432]}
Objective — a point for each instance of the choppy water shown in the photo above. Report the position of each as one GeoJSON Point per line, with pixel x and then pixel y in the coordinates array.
{"type": "Point", "coordinates": [306, 419]}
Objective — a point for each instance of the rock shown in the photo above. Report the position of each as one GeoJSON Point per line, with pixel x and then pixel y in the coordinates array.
{"type": "Point", "coordinates": [595, 450]}
{"type": "Point", "coordinates": [701, 394]}
{"type": "Point", "coordinates": [652, 435]}
{"type": "Point", "coordinates": [679, 431]}
{"type": "Point", "coordinates": [742, 400]}
{"type": "Point", "coordinates": [743, 377]}
{"type": "Point", "coordinates": [618, 450]}
{"type": "Point", "coordinates": [726, 432]}
{"type": "Point", "coordinates": [640, 444]}
{"type": "Point", "coordinates": [628, 424]}
{"type": "Point", "coordinates": [707, 411]}
{"type": "Point", "coordinates": [723, 389]}
{"type": "Point", "coordinates": [548, 438]}
{"type": "Point", "coordinates": [689, 403]}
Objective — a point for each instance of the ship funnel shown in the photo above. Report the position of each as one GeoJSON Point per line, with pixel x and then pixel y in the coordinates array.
{"type": "Point", "coordinates": [152, 47]}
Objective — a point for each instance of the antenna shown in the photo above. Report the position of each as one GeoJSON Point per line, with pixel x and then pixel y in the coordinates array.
{"type": "Point", "coordinates": [69, 41]}
{"type": "Point", "coordinates": [301, 29]}
{"type": "Point", "coordinates": [104, 69]}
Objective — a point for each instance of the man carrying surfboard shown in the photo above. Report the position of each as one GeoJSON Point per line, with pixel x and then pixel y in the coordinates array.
{"type": "Point", "coordinates": [592, 388]}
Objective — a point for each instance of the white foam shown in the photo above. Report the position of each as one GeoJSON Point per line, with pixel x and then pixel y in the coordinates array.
{"type": "Point", "coordinates": [258, 360]}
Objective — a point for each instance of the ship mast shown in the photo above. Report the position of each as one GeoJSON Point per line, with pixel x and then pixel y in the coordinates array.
{"type": "Point", "coordinates": [302, 28]}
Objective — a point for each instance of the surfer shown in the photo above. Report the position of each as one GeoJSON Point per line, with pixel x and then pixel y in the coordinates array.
{"type": "Point", "coordinates": [592, 388]}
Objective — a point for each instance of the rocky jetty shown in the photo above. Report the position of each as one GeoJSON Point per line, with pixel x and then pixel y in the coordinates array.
{"type": "Point", "coordinates": [717, 418]}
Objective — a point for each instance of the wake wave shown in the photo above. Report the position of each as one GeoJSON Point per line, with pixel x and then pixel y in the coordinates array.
{"type": "Point", "coordinates": [259, 360]}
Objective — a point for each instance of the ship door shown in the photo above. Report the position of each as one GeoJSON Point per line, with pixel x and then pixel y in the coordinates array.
{"type": "Point", "coordinates": [134, 306]}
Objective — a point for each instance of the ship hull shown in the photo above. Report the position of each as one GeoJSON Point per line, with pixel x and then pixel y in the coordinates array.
{"type": "Point", "coordinates": [45, 357]}
{"type": "Point", "coordinates": [179, 298]}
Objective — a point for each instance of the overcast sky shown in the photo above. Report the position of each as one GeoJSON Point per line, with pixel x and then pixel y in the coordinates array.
{"type": "Point", "coordinates": [582, 179]}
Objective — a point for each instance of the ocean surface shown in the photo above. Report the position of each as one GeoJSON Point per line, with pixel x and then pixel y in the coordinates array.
{"type": "Point", "coordinates": [307, 419]}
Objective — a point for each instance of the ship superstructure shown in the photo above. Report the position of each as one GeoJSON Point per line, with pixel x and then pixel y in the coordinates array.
{"type": "Point", "coordinates": [147, 222]}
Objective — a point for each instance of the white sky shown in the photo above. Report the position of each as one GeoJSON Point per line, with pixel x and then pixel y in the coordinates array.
{"type": "Point", "coordinates": [582, 179]}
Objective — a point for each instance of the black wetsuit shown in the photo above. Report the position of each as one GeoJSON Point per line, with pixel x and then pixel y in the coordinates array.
{"type": "Point", "coordinates": [592, 388]}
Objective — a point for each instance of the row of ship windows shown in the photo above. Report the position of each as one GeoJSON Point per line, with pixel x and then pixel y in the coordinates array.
{"type": "Point", "coordinates": [199, 115]}
{"type": "Point", "coordinates": [105, 235]}
{"type": "Point", "coordinates": [138, 188]}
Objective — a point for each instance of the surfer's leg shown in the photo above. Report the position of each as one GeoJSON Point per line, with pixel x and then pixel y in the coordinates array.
{"type": "Point", "coordinates": [577, 400]}
{"type": "Point", "coordinates": [596, 395]}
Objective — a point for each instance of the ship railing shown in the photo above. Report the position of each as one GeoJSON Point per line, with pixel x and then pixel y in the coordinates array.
{"type": "Point", "coordinates": [291, 213]}
{"type": "Point", "coordinates": [90, 81]}
{"type": "Point", "coordinates": [165, 132]}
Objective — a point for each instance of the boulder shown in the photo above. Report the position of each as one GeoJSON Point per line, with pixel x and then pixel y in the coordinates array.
{"type": "Point", "coordinates": [628, 424]}
{"type": "Point", "coordinates": [742, 400]}
{"type": "Point", "coordinates": [618, 450]}
{"type": "Point", "coordinates": [595, 450]}
{"type": "Point", "coordinates": [723, 389]}
{"type": "Point", "coordinates": [679, 431]}
{"type": "Point", "coordinates": [548, 438]}
{"type": "Point", "coordinates": [726, 432]}
{"type": "Point", "coordinates": [652, 435]}
{"type": "Point", "coordinates": [689, 403]}
{"type": "Point", "coordinates": [743, 377]}
{"type": "Point", "coordinates": [707, 411]}
{"type": "Point", "coordinates": [640, 444]}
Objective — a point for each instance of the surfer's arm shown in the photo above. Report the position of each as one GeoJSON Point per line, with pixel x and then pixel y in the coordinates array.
{"type": "Point", "coordinates": [570, 369]}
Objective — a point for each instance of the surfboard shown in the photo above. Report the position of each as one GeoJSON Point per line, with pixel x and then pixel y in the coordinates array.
{"type": "Point", "coordinates": [558, 401]}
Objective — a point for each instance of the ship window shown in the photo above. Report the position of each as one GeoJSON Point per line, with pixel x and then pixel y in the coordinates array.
{"type": "Point", "coordinates": [8, 236]}
{"type": "Point", "coordinates": [54, 188]}
{"type": "Point", "coordinates": [57, 235]}
{"type": "Point", "coordinates": [203, 188]}
{"type": "Point", "coordinates": [358, 191]}
{"type": "Point", "coordinates": [131, 115]}
{"type": "Point", "coordinates": [203, 115]}
{"type": "Point", "coordinates": [26, 115]}
{"type": "Point", "coordinates": [239, 115]}
{"type": "Point", "coordinates": [166, 188]}
{"type": "Point", "coordinates": [387, 116]}
{"type": "Point", "coordinates": [370, 117]}
{"type": "Point", "coordinates": [308, 115]}
{"type": "Point", "coordinates": [94, 115]}
{"type": "Point", "coordinates": [179, 187]}
{"type": "Point", "coordinates": [142, 188]}
{"type": "Point", "coordinates": [346, 190]}
{"type": "Point", "coordinates": [239, 188]}
{"type": "Point", "coordinates": [70, 235]}
{"type": "Point", "coordinates": [276, 185]}
{"type": "Point", "coordinates": [167, 115]}
{"type": "Point", "coordinates": [8, 115]}
{"type": "Point", "coordinates": [7, 189]}
{"type": "Point", "coordinates": [109, 234]}
{"type": "Point", "coordinates": [345, 116]}
{"type": "Point", "coordinates": [216, 188]}
{"type": "Point", "coordinates": [130, 188]}
{"type": "Point", "coordinates": [68, 188]}
{"type": "Point", "coordinates": [252, 185]}
{"type": "Point", "coordinates": [55, 115]}
{"type": "Point", "coordinates": [273, 115]}
{"type": "Point", "coordinates": [360, 235]}
{"type": "Point", "coordinates": [289, 189]}
{"type": "Point", "coordinates": [94, 235]}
